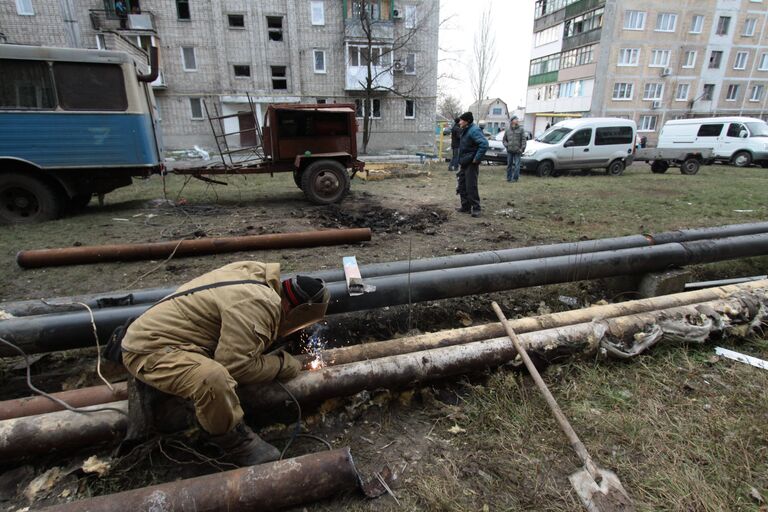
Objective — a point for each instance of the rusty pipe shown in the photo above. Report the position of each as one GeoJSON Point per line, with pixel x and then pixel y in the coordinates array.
{"type": "Point", "coordinates": [33, 405]}
{"type": "Point", "coordinates": [160, 250]}
{"type": "Point", "coordinates": [271, 486]}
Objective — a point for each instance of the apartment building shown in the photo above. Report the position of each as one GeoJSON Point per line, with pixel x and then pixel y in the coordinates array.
{"type": "Point", "coordinates": [647, 60]}
{"type": "Point", "coordinates": [216, 53]}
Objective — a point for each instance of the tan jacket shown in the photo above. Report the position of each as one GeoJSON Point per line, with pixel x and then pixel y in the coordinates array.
{"type": "Point", "coordinates": [231, 324]}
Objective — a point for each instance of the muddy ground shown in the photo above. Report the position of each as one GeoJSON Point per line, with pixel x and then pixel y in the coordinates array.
{"type": "Point", "coordinates": [412, 430]}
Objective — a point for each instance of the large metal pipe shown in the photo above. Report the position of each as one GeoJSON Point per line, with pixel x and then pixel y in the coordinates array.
{"type": "Point", "coordinates": [35, 435]}
{"type": "Point", "coordinates": [366, 351]}
{"type": "Point", "coordinates": [271, 486]}
{"type": "Point", "coordinates": [47, 333]}
{"type": "Point", "coordinates": [129, 297]}
{"type": "Point", "coordinates": [160, 250]}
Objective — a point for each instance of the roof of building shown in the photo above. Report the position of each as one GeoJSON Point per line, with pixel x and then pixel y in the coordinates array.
{"type": "Point", "coordinates": [485, 106]}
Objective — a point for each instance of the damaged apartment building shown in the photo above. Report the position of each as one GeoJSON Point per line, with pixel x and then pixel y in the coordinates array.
{"type": "Point", "coordinates": [218, 53]}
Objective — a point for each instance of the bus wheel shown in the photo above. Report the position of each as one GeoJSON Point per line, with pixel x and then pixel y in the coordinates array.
{"type": "Point", "coordinates": [325, 182]}
{"type": "Point", "coordinates": [742, 159]}
{"type": "Point", "coordinates": [25, 199]}
{"type": "Point", "coordinates": [690, 166]}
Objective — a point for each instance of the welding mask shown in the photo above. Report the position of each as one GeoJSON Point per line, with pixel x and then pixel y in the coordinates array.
{"type": "Point", "coordinates": [308, 298]}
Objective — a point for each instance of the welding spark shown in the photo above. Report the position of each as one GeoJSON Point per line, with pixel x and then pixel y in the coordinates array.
{"type": "Point", "coordinates": [315, 346]}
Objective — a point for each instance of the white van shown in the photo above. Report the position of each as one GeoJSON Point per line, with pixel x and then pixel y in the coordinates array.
{"type": "Point", "coordinates": [586, 143]}
{"type": "Point", "coordinates": [738, 140]}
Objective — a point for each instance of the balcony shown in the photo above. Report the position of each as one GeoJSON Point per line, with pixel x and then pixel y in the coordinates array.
{"type": "Point", "coordinates": [581, 7]}
{"type": "Point", "coordinates": [583, 39]}
{"type": "Point", "coordinates": [357, 77]}
{"type": "Point", "coordinates": [381, 31]}
{"type": "Point", "coordinates": [103, 20]}
{"type": "Point", "coordinates": [544, 78]}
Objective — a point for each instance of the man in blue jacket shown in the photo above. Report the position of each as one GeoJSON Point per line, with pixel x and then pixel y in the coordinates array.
{"type": "Point", "coordinates": [471, 150]}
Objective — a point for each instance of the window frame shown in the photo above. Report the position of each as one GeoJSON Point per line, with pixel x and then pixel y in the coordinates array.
{"type": "Point", "coordinates": [630, 63]}
{"type": "Point", "coordinates": [668, 16]}
{"type": "Point", "coordinates": [686, 64]}
{"type": "Point", "coordinates": [749, 23]}
{"type": "Point", "coordinates": [718, 61]}
{"type": "Point", "coordinates": [723, 26]}
{"type": "Point", "coordinates": [736, 57]}
{"type": "Point", "coordinates": [756, 88]}
{"type": "Point", "coordinates": [184, 59]}
{"type": "Point", "coordinates": [20, 8]}
{"type": "Point", "coordinates": [641, 125]}
{"type": "Point", "coordinates": [235, 27]}
{"type": "Point", "coordinates": [410, 56]}
{"type": "Point", "coordinates": [273, 77]}
{"type": "Point", "coordinates": [658, 88]}
{"type": "Point", "coordinates": [275, 30]}
{"type": "Point", "coordinates": [192, 110]}
{"type": "Point", "coordinates": [708, 91]}
{"type": "Point", "coordinates": [628, 89]}
{"type": "Point", "coordinates": [312, 5]}
{"type": "Point", "coordinates": [324, 69]}
{"type": "Point", "coordinates": [763, 66]}
{"type": "Point", "coordinates": [694, 19]}
{"type": "Point", "coordinates": [234, 70]}
{"type": "Point", "coordinates": [178, 10]}
{"type": "Point", "coordinates": [631, 14]}
{"type": "Point", "coordinates": [411, 17]}
{"type": "Point", "coordinates": [360, 108]}
{"type": "Point", "coordinates": [413, 109]}
{"type": "Point", "coordinates": [732, 93]}
{"type": "Point", "coordinates": [654, 53]}
{"type": "Point", "coordinates": [687, 92]}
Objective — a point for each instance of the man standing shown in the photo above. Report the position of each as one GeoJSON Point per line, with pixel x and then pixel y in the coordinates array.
{"type": "Point", "coordinates": [455, 142]}
{"type": "Point", "coordinates": [201, 344]}
{"type": "Point", "coordinates": [514, 140]}
{"type": "Point", "coordinates": [472, 148]}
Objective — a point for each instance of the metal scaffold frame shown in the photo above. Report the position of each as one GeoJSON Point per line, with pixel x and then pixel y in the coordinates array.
{"type": "Point", "coordinates": [236, 158]}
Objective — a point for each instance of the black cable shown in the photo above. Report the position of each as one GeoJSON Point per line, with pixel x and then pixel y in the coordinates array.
{"type": "Point", "coordinates": [50, 397]}
{"type": "Point", "coordinates": [298, 420]}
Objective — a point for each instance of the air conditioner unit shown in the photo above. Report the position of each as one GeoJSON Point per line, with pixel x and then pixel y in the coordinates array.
{"type": "Point", "coordinates": [666, 71]}
{"type": "Point", "coordinates": [398, 66]}
{"type": "Point", "coordinates": [656, 105]}
{"type": "Point", "coordinates": [398, 13]}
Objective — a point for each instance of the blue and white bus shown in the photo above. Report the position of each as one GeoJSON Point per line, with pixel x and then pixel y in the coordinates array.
{"type": "Point", "coordinates": [73, 123]}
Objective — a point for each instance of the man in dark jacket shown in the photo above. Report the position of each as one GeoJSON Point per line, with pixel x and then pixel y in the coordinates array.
{"type": "Point", "coordinates": [455, 142]}
{"type": "Point", "coordinates": [514, 140]}
{"type": "Point", "coordinates": [472, 148]}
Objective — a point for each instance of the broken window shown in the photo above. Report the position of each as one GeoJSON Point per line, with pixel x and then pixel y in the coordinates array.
{"type": "Point", "coordinates": [275, 28]}
{"type": "Point", "coordinates": [242, 70]}
{"type": "Point", "coordinates": [236, 20]}
{"type": "Point", "coordinates": [410, 63]}
{"type": "Point", "coordinates": [410, 109]}
{"type": "Point", "coordinates": [182, 10]}
{"type": "Point", "coordinates": [375, 10]}
{"type": "Point", "coordinates": [279, 78]}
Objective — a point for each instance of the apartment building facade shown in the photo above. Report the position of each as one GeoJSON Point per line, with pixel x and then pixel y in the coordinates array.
{"type": "Point", "coordinates": [647, 60]}
{"type": "Point", "coordinates": [217, 53]}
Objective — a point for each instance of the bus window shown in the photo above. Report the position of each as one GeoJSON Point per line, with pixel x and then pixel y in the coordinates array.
{"type": "Point", "coordinates": [82, 86]}
{"type": "Point", "coordinates": [26, 84]}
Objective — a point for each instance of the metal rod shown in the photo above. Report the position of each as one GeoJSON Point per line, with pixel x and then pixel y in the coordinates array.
{"type": "Point", "coordinates": [108, 299]}
{"type": "Point", "coordinates": [132, 252]}
{"type": "Point", "coordinates": [47, 333]}
{"type": "Point", "coordinates": [272, 486]}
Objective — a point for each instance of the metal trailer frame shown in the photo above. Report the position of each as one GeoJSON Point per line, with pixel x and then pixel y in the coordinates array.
{"type": "Point", "coordinates": [689, 160]}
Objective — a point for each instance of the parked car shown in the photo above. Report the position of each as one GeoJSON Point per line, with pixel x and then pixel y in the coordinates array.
{"type": "Point", "coordinates": [496, 153]}
{"type": "Point", "coordinates": [582, 144]}
{"type": "Point", "coordinates": [736, 140]}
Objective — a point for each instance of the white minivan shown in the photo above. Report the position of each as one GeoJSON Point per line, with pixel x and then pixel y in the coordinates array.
{"type": "Point", "coordinates": [586, 143]}
{"type": "Point", "coordinates": [737, 140]}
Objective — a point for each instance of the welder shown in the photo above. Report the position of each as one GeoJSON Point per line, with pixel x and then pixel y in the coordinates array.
{"type": "Point", "coordinates": [213, 334]}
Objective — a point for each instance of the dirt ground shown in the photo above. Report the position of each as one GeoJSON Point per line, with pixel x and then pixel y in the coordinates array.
{"type": "Point", "coordinates": [482, 442]}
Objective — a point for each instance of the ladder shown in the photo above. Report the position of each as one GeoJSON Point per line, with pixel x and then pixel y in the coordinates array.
{"type": "Point", "coordinates": [237, 157]}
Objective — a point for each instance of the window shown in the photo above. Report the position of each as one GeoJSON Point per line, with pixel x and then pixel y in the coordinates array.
{"type": "Point", "coordinates": [740, 62]}
{"type": "Point", "coordinates": [410, 109]}
{"type": "Point", "coordinates": [629, 56]}
{"type": "Point", "coordinates": [723, 22]}
{"type": "Point", "coordinates": [653, 91]}
{"type": "Point", "coordinates": [576, 57]}
{"type": "Point", "coordinates": [497, 111]}
{"type": "Point", "coordinates": [647, 124]}
{"type": "Point", "coordinates": [188, 58]}
{"type": "Point", "coordinates": [101, 42]}
{"type": "Point", "coordinates": [317, 10]}
{"type": "Point", "coordinates": [546, 36]}
{"type": "Point", "coordinates": [689, 60]}
{"type": "Point", "coordinates": [321, 101]}
{"type": "Point", "coordinates": [410, 63]}
{"type": "Point", "coordinates": [81, 86]}
{"type": "Point", "coordinates": [275, 28]}
{"type": "Point", "coordinates": [611, 135]}
{"type": "Point", "coordinates": [572, 89]}
{"type": "Point", "coordinates": [634, 20]}
{"type": "Point", "coordinates": [735, 130]}
{"type": "Point", "coordinates": [279, 78]}
{"type": "Point", "coordinates": [360, 108]}
{"type": "Point", "coordinates": [544, 64]}
{"type": "Point", "coordinates": [360, 55]}
{"type": "Point", "coordinates": [24, 8]}
{"type": "Point", "coordinates": [659, 58]}
{"type": "Point", "coordinates": [710, 130]}
{"type": "Point", "coordinates": [584, 23]}
{"type": "Point", "coordinates": [697, 24]}
{"type": "Point", "coordinates": [623, 91]}
{"type": "Point", "coordinates": [242, 71]}
{"type": "Point", "coordinates": [26, 84]}
{"type": "Point", "coordinates": [757, 93]}
{"type": "Point", "coordinates": [708, 92]}
{"type": "Point", "coordinates": [750, 24]}
{"type": "Point", "coordinates": [732, 93]}
{"type": "Point", "coordinates": [182, 10]}
{"type": "Point", "coordinates": [714, 59]}
{"type": "Point", "coordinates": [319, 59]}
{"type": "Point", "coordinates": [410, 16]}
{"type": "Point", "coordinates": [681, 94]}
{"type": "Point", "coordinates": [763, 62]}
{"type": "Point", "coordinates": [236, 20]}
{"type": "Point", "coordinates": [581, 137]}
{"type": "Point", "coordinates": [196, 108]}
{"type": "Point", "coordinates": [665, 22]}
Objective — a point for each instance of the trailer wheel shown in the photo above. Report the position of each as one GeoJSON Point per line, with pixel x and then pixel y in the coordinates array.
{"type": "Point", "coordinates": [26, 199]}
{"type": "Point", "coordinates": [297, 178]}
{"type": "Point", "coordinates": [616, 168]}
{"type": "Point", "coordinates": [659, 167]}
{"type": "Point", "coordinates": [690, 166]}
{"type": "Point", "coordinates": [742, 159]}
{"type": "Point", "coordinates": [325, 182]}
{"type": "Point", "coordinates": [545, 169]}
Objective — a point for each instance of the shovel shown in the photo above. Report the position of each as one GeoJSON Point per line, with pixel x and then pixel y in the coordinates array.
{"type": "Point", "coordinates": [599, 489]}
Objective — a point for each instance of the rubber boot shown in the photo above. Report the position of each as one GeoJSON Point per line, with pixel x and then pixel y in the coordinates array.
{"type": "Point", "coordinates": [243, 447]}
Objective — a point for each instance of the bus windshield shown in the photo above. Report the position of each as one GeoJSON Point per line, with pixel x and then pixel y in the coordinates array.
{"type": "Point", "coordinates": [555, 135]}
{"type": "Point", "coordinates": [758, 129]}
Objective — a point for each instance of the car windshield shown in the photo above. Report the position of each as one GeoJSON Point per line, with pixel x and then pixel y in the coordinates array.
{"type": "Point", "coordinates": [758, 129]}
{"type": "Point", "coordinates": [554, 135]}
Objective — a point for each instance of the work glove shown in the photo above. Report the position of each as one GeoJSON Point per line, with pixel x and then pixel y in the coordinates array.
{"type": "Point", "coordinates": [289, 366]}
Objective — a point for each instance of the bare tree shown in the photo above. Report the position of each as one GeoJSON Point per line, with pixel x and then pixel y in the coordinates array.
{"type": "Point", "coordinates": [449, 106]}
{"type": "Point", "coordinates": [383, 55]}
{"type": "Point", "coordinates": [483, 70]}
